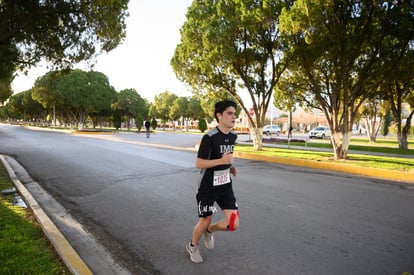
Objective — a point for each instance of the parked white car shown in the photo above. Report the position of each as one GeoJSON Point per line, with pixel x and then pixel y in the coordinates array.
{"type": "Point", "coordinates": [271, 129]}
{"type": "Point", "coordinates": [320, 132]}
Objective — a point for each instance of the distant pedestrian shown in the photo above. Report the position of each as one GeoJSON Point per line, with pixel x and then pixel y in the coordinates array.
{"type": "Point", "coordinates": [290, 132]}
{"type": "Point", "coordinates": [147, 125]}
{"type": "Point", "coordinates": [215, 159]}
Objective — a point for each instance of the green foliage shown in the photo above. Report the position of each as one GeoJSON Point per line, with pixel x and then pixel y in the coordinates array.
{"type": "Point", "coordinates": [5, 90]}
{"type": "Point", "coordinates": [62, 32]}
{"type": "Point", "coordinates": [116, 119]}
{"type": "Point", "coordinates": [194, 110]}
{"type": "Point", "coordinates": [163, 104]}
{"type": "Point", "coordinates": [207, 105]}
{"type": "Point", "coordinates": [23, 247]}
{"type": "Point", "coordinates": [131, 105]}
{"type": "Point", "coordinates": [232, 47]}
{"type": "Point", "coordinates": [154, 124]}
{"type": "Point", "coordinates": [44, 89]}
{"type": "Point", "coordinates": [341, 52]}
{"type": "Point", "coordinates": [398, 88]}
{"type": "Point", "coordinates": [393, 129]}
{"type": "Point", "coordinates": [75, 94]}
{"type": "Point", "coordinates": [386, 122]}
{"type": "Point", "coordinates": [139, 121]}
{"type": "Point", "coordinates": [179, 108]}
{"type": "Point", "coordinates": [25, 107]}
{"type": "Point", "coordinates": [202, 125]}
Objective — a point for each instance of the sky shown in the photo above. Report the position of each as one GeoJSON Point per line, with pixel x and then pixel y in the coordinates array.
{"type": "Point", "coordinates": [142, 61]}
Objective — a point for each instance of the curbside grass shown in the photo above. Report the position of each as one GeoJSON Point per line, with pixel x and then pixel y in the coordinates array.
{"type": "Point", "coordinates": [24, 249]}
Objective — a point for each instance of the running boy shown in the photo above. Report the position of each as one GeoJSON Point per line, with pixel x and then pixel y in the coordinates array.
{"type": "Point", "coordinates": [215, 160]}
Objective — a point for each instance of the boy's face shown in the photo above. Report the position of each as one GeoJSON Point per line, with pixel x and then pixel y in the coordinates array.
{"type": "Point", "coordinates": [227, 118]}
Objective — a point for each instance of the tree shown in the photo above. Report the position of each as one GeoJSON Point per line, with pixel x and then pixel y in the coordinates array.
{"type": "Point", "coordinates": [207, 105]}
{"type": "Point", "coordinates": [194, 110]}
{"type": "Point", "coordinates": [102, 96]}
{"type": "Point", "coordinates": [342, 50]}
{"type": "Point", "coordinates": [34, 110]}
{"type": "Point", "coordinates": [234, 47]}
{"type": "Point", "coordinates": [152, 112]}
{"type": "Point", "coordinates": [5, 87]}
{"type": "Point", "coordinates": [74, 94]}
{"type": "Point", "coordinates": [44, 91]}
{"type": "Point", "coordinates": [30, 109]}
{"type": "Point", "coordinates": [142, 113]}
{"type": "Point", "coordinates": [139, 121]}
{"type": "Point", "coordinates": [131, 104]}
{"type": "Point", "coordinates": [179, 109]}
{"type": "Point", "coordinates": [15, 105]}
{"type": "Point", "coordinates": [84, 93]}
{"type": "Point", "coordinates": [61, 32]}
{"type": "Point", "coordinates": [399, 89]}
{"type": "Point", "coordinates": [163, 103]}
{"type": "Point", "coordinates": [187, 108]}
{"type": "Point", "coordinates": [370, 111]}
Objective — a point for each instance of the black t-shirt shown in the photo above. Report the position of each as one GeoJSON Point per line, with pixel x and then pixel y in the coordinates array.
{"type": "Point", "coordinates": [213, 144]}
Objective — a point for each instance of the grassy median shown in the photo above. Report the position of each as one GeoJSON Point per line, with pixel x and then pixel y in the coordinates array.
{"type": "Point", "coordinates": [361, 160]}
{"type": "Point", "coordinates": [24, 249]}
{"type": "Point", "coordinates": [365, 156]}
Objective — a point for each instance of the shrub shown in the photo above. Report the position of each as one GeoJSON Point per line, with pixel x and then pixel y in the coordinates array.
{"type": "Point", "coordinates": [116, 120]}
{"type": "Point", "coordinates": [154, 124]}
{"type": "Point", "coordinates": [202, 125]}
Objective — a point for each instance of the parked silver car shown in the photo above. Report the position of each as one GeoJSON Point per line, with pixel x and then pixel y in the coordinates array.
{"type": "Point", "coordinates": [320, 132]}
{"type": "Point", "coordinates": [271, 129]}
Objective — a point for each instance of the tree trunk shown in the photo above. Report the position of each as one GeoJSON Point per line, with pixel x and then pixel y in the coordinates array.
{"type": "Point", "coordinates": [403, 132]}
{"type": "Point", "coordinates": [257, 136]}
{"type": "Point", "coordinates": [341, 145]}
{"type": "Point", "coordinates": [402, 142]}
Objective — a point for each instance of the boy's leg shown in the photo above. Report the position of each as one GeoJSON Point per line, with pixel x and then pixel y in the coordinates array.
{"type": "Point", "coordinates": [192, 247]}
{"type": "Point", "coordinates": [231, 222]}
{"type": "Point", "coordinates": [200, 228]}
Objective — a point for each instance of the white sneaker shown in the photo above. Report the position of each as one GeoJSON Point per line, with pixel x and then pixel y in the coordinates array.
{"type": "Point", "coordinates": [208, 240]}
{"type": "Point", "coordinates": [194, 253]}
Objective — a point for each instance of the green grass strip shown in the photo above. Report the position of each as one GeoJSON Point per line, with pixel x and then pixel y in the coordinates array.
{"type": "Point", "coordinates": [24, 249]}
{"type": "Point", "coordinates": [360, 160]}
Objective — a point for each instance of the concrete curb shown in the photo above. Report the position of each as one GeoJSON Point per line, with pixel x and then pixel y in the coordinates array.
{"type": "Point", "coordinates": [70, 257]}
{"type": "Point", "coordinates": [331, 166]}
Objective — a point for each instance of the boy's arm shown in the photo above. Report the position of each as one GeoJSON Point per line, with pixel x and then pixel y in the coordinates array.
{"type": "Point", "coordinates": [226, 158]}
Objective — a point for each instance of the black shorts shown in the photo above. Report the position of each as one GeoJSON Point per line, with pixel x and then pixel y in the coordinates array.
{"type": "Point", "coordinates": [205, 202]}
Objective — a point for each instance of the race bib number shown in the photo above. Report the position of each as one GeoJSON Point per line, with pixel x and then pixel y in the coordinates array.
{"type": "Point", "coordinates": [221, 177]}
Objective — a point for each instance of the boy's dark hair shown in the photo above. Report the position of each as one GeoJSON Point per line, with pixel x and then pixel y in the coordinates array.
{"type": "Point", "coordinates": [221, 106]}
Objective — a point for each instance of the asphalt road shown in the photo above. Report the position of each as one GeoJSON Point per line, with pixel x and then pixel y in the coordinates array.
{"type": "Point", "coordinates": [138, 199]}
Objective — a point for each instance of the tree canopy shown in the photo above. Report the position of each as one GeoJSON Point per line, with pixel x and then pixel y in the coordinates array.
{"type": "Point", "coordinates": [341, 53]}
{"type": "Point", "coordinates": [62, 32]}
{"type": "Point", "coordinates": [74, 94]}
{"type": "Point", "coordinates": [233, 46]}
{"type": "Point", "coordinates": [131, 105]}
{"type": "Point", "coordinates": [163, 103]}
